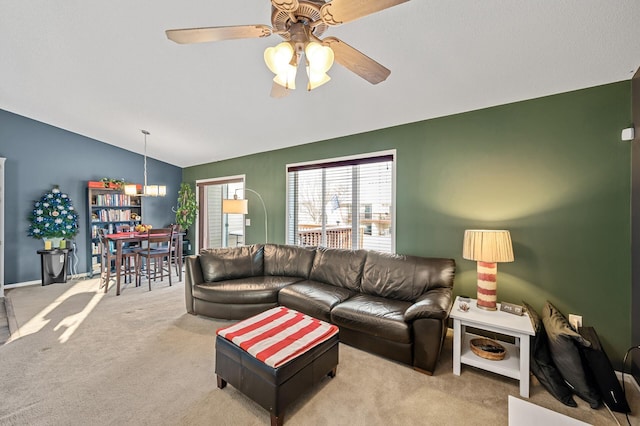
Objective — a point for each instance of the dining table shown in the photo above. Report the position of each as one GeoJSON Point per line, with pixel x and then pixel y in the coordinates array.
{"type": "Point", "coordinates": [121, 238]}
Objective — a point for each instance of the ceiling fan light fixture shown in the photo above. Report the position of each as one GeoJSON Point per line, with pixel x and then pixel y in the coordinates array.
{"type": "Point", "coordinates": [278, 57]}
{"type": "Point", "coordinates": [287, 78]}
{"type": "Point", "coordinates": [316, 79]}
{"type": "Point", "coordinates": [319, 57]}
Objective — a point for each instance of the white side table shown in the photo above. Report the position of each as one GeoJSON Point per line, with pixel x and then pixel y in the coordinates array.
{"type": "Point", "coordinates": [516, 361]}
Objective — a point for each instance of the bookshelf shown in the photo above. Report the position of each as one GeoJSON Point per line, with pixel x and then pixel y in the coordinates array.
{"type": "Point", "coordinates": [109, 209]}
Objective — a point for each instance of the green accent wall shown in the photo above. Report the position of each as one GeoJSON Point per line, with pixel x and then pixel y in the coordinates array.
{"type": "Point", "coordinates": [551, 170]}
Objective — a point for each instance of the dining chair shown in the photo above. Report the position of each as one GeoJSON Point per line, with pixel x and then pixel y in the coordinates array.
{"type": "Point", "coordinates": [177, 260]}
{"type": "Point", "coordinates": [107, 261]}
{"type": "Point", "coordinates": [157, 252]}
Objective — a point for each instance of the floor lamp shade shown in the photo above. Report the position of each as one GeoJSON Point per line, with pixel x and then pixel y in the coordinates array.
{"type": "Point", "coordinates": [487, 247]}
{"type": "Point", "coordinates": [235, 206]}
{"type": "Point", "coordinates": [241, 206]}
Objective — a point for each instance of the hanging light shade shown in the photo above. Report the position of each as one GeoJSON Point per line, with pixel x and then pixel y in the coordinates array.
{"type": "Point", "coordinates": [319, 61]}
{"type": "Point", "coordinates": [131, 189]}
{"type": "Point", "coordinates": [281, 60]}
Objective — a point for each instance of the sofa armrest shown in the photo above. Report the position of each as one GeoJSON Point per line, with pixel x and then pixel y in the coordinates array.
{"type": "Point", "coordinates": [193, 276]}
{"type": "Point", "coordinates": [435, 304]}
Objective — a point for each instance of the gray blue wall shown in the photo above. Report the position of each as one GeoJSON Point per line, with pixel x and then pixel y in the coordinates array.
{"type": "Point", "coordinates": [40, 156]}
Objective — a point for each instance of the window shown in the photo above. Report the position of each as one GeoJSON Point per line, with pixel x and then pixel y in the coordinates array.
{"type": "Point", "coordinates": [342, 203]}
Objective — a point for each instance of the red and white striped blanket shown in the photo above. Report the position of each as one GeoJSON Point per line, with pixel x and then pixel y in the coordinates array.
{"type": "Point", "coordinates": [278, 335]}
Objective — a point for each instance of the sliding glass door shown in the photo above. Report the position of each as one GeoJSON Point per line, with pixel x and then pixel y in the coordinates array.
{"type": "Point", "coordinates": [216, 229]}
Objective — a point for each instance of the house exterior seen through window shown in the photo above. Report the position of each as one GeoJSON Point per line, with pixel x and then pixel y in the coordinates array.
{"type": "Point", "coordinates": [342, 203]}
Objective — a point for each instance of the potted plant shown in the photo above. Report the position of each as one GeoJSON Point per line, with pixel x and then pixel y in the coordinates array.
{"type": "Point", "coordinates": [53, 218]}
{"type": "Point", "coordinates": [187, 207]}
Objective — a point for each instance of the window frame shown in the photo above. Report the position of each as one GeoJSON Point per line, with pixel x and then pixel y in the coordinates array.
{"type": "Point", "coordinates": [202, 213]}
{"type": "Point", "coordinates": [343, 161]}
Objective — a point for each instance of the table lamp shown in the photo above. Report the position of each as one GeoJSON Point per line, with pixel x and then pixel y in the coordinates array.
{"type": "Point", "coordinates": [487, 247]}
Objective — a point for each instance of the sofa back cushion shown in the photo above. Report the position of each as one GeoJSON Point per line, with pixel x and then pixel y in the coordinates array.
{"type": "Point", "coordinates": [405, 278]}
{"type": "Point", "coordinates": [231, 263]}
{"type": "Point", "coordinates": [288, 261]}
{"type": "Point", "coordinates": [338, 267]}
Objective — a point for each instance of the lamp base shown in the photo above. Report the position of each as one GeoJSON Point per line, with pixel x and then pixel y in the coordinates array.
{"type": "Point", "coordinates": [487, 308]}
{"type": "Point", "coordinates": [487, 286]}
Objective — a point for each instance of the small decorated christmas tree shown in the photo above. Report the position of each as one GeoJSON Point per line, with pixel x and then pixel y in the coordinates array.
{"type": "Point", "coordinates": [53, 216]}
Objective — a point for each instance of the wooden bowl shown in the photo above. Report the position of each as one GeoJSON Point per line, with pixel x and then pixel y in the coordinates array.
{"type": "Point", "coordinates": [488, 349]}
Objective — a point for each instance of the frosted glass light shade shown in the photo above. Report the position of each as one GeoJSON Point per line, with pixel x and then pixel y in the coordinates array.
{"type": "Point", "coordinates": [277, 58]}
{"type": "Point", "coordinates": [131, 189]}
{"type": "Point", "coordinates": [151, 190]}
{"type": "Point", "coordinates": [316, 79]}
{"type": "Point", "coordinates": [319, 57]}
{"type": "Point", "coordinates": [287, 78]}
{"type": "Point", "coordinates": [235, 206]}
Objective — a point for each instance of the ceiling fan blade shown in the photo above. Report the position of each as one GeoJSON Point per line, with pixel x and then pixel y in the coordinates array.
{"type": "Point", "coordinates": [356, 61]}
{"type": "Point", "coordinates": [288, 6]}
{"type": "Point", "coordinates": [278, 91]}
{"type": "Point", "coordinates": [338, 12]}
{"type": "Point", "coordinates": [201, 35]}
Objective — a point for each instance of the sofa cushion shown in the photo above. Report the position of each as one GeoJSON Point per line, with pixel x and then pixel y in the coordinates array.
{"type": "Point", "coordinates": [375, 316]}
{"type": "Point", "coordinates": [313, 298]}
{"type": "Point", "coordinates": [288, 261]}
{"type": "Point", "coordinates": [563, 343]}
{"type": "Point", "coordinates": [231, 263]}
{"type": "Point", "coordinates": [243, 290]}
{"type": "Point", "coordinates": [405, 277]}
{"type": "Point", "coordinates": [338, 267]}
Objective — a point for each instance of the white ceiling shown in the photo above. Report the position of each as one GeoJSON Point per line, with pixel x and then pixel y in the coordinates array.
{"type": "Point", "coordinates": [105, 69]}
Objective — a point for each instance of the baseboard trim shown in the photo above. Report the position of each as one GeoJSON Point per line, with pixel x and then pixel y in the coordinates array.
{"type": "Point", "coordinates": [629, 379]}
{"type": "Point", "coordinates": [23, 284]}
{"type": "Point", "coordinates": [38, 282]}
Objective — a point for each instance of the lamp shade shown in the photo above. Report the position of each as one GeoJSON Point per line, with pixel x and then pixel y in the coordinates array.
{"type": "Point", "coordinates": [280, 60]}
{"type": "Point", "coordinates": [487, 245]}
{"type": "Point", "coordinates": [235, 206]}
{"type": "Point", "coordinates": [320, 57]}
{"type": "Point", "coordinates": [131, 189]}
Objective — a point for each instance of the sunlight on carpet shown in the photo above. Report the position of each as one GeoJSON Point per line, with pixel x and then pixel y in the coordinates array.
{"type": "Point", "coordinates": [69, 323]}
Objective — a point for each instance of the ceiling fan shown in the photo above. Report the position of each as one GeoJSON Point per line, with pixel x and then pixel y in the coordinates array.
{"type": "Point", "coordinates": [300, 23]}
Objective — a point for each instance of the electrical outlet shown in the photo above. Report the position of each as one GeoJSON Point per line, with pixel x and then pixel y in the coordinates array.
{"type": "Point", "coordinates": [247, 222]}
{"type": "Point", "coordinates": [575, 321]}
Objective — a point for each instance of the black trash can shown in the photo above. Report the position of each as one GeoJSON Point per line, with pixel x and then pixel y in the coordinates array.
{"type": "Point", "coordinates": [53, 265]}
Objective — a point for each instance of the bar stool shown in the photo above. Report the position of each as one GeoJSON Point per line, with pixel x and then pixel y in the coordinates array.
{"type": "Point", "coordinates": [159, 249]}
{"type": "Point", "coordinates": [108, 257]}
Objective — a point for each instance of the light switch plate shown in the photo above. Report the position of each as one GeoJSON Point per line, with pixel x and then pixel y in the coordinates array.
{"type": "Point", "coordinates": [247, 222]}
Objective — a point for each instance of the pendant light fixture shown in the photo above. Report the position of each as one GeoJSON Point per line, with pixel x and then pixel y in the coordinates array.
{"type": "Point", "coordinates": [147, 190]}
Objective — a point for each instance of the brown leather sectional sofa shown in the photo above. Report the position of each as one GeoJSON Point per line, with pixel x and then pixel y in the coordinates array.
{"type": "Point", "coordinates": [391, 305]}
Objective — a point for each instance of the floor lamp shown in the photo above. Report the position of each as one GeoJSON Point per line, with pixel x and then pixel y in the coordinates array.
{"type": "Point", "coordinates": [241, 206]}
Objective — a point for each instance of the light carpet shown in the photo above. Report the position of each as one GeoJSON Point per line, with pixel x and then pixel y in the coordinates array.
{"type": "Point", "coordinates": [84, 357]}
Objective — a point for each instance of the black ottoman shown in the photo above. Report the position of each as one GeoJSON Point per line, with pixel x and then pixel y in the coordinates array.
{"type": "Point", "coordinates": [274, 388]}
